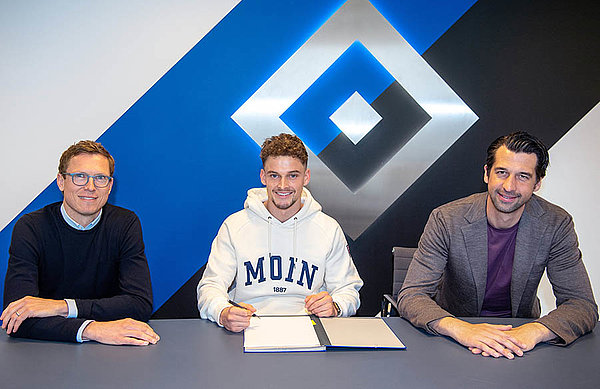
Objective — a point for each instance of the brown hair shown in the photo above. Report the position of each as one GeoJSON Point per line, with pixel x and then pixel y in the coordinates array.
{"type": "Point", "coordinates": [284, 145]}
{"type": "Point", "coordinates": [85, 147]}
{"type": "Point", "coordinates": [520, 142]}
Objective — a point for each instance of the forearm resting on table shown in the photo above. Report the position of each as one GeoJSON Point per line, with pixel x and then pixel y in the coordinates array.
{"type": "Point", "coordinates": [123, 331]}
{"type": "Point", "coordinates": [449, 325]}
{"type": "Point", "coordinates": [30, 306]}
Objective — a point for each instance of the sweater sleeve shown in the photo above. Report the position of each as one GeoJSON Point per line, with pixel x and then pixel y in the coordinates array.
{"type": "Point", "coordinates": [134, 297]}
{"type": "Point", "coordinates": [218, 276]}
{"type": "Point", "coordinates": [21, 280]}
{"type": "Point", "coordinates": [341, 277]}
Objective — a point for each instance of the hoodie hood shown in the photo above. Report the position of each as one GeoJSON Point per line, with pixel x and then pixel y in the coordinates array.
{"type": "Point", "coordinates": [258, 196]}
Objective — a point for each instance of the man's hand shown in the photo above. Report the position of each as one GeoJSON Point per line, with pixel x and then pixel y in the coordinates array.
{"type": "Point", "coordinates": [124, 331]}
{"type": "Point", "coordinates": [320, 304]}
{"type": "Point", "coordinates": [30, 306]}
{"type": "Point", "coordinates": [485, 339]}
{"type": "Point", "coordinates": [236, 319]}
{"type": "Point", "coordinates": [529, 335]}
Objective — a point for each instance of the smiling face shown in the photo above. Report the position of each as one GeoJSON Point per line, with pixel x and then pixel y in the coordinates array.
{"type": "Point", "coordinates": [83, 203]}
{"type": "Point", "coordinates": [284, 178]}
{"type": "Point", "coordinates": [511, 183]}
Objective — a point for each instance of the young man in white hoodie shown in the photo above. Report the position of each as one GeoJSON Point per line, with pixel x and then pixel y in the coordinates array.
{"type": "Point", "coordinates": [280, 254]}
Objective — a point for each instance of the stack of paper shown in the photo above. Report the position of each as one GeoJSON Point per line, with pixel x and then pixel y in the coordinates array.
{"type": "Point", "coordinates": [281, 333]}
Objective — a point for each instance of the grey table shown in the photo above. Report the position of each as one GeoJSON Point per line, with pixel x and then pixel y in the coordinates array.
{"type": "Point", "coordinates": [197, 353]}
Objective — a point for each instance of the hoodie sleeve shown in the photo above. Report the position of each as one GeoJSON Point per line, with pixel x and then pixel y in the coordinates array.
{"type": "Point", "coordinates": [341, 277]}
{"type": "Point", "coordinates": [219, 274]}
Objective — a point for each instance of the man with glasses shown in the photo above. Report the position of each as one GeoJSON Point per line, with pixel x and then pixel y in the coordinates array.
{"type": "Point", "coordinates": [77, 268]}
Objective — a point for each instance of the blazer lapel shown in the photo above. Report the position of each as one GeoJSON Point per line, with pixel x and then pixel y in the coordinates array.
{"type": "Point", "coordinates": [475, 237]}
{"type": "Point", "coordinates": [526, 248]}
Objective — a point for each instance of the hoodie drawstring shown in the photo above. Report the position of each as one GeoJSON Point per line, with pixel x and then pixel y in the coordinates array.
{"type": "Point", "coordinates": [295, 228]}
{"type": "Point", "coordinates": [269, 235]}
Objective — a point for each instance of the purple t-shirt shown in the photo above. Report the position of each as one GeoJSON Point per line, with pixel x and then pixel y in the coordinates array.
{"type": "Point", "coordinates": [501, 252]}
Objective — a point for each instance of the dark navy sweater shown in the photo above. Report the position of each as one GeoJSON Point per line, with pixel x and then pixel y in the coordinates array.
{"type": "Point", "coordinates": [103, 269]}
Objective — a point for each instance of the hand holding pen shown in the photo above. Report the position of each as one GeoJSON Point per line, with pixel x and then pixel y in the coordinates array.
{"type": "Point", "coordinates": [236, 317]}
{"type": "Point", "coordinates": [248, 307]}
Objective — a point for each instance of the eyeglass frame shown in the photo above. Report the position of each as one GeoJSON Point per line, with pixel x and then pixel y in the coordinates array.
{"type": "Point", "coordinates": [87, 176]}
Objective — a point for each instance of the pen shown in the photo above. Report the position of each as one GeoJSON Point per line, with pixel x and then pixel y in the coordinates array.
{"type": "Point", "coordinates": [239, 306]}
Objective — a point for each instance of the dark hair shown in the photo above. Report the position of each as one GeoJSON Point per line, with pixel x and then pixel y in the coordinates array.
{"type": "Point", "coordinates": [520, 142]}
{"type": "Point", "coordinates": [284, 145]}
{"type": "Point", "coordinates": [85, 147]}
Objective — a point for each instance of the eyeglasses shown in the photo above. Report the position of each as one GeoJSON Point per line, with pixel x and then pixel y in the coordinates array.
{"type": "Point", "coordinates": [81, 179]}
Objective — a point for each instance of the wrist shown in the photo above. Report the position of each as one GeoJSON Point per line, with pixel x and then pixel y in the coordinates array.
{"type": "Point", "coordinates": [445, 326]}
{"type": "Point", "coordinates": [72, 311]}
{"type": "Point", "coordinates": [222, 315]}
{"type": "Point", "coordinates": [541, 332]}
{"type": "Point", "coordinates": [89, 331]}
{"type": "Point", "coordinates": [79, 336]}
{"type": "Point", "coordinates": [337, 311]}
{"type": "Point", "coordinates": [62, 308]}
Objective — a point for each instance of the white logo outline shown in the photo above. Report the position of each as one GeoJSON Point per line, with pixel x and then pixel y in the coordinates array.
{"type": "Point", "coordinates": [359, 20]}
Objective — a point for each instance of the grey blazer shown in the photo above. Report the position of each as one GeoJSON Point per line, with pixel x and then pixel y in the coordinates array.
{"type": "Point", "coordinates": [447, 276]}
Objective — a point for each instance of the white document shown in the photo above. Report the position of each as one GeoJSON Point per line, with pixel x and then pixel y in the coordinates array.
{"type": "Point", "coordinates": [281, 333]}
{"type": "Point", "coordinates": [367, 332]}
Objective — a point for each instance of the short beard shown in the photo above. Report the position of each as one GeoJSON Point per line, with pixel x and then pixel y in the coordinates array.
{"type": "Point", "coordinates": [284, 207]}
{"type": "Point", "coordinates": [499, 206]}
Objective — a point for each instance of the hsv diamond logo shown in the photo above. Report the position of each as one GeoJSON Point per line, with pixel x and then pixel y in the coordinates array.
{"type": "Point", "coordinates": [373, 114]}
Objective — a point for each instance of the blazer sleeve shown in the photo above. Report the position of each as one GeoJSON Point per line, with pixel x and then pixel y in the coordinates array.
{"type": "Point", "coordinates": [576, 311]}
{"type": "Point", "coordinates": [415, 300]}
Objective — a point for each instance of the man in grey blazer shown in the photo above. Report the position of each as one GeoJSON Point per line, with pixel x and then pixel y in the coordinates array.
{"type": "Point", "coordinates": [484, 255]}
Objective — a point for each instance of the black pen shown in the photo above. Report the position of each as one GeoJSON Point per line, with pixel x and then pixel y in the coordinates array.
{"type": "Point", "coordinates": [239, 306]}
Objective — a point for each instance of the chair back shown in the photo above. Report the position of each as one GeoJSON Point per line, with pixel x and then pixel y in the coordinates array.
{"type": "Point", "coordinates": [402, 258]}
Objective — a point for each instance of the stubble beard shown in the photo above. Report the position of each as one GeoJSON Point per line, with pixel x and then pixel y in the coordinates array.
{"type": "Point", "coordinates": [506, 208]}
{"type": "Point", "coordinates": [284, 206]}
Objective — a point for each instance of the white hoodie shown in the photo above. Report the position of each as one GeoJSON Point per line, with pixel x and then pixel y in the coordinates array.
{"type": "Point", "coordinates": [273, 265]}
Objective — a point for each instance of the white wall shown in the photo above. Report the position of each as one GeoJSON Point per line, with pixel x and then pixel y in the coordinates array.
{"type": "Point", "coordinates": [571, 182]}
{"type": "Point", "coordinates": [69, 69]}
